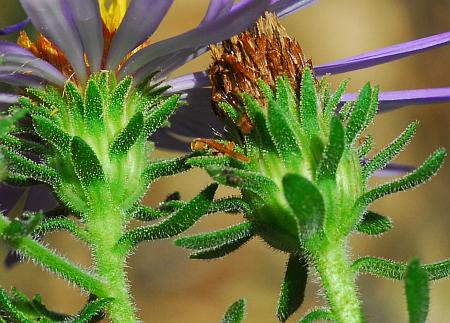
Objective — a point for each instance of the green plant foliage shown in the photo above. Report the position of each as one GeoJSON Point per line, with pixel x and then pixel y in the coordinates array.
{"type": "Point", "coordinates": [316, 315]}
{"type": "Point", "coordinates": [235, 313]}
{"type": "Point", "coordinates": [128, 137]}
{"type": "Point", "coordinates": [374, 224]}
{"type": "Point", "coordinates": [85, 161]}
{"type": "Point", "coordinates": [417, 291]}
{"type": "Point", "coordinates": [293, 288]}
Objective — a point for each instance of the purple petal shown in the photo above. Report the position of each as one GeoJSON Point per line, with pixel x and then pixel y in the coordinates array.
{"type": "Point", "coordinates": [188, 81]}
{"type": "Point", "coordinates": [217, 9]}
{"type": "Point", "coordinates": [53, 18]}
{"type": "Point", "coordinates": [8, 98]}
{"type": "Point", "coordinates": [203, 35]}
{"type": "Point", "coordinates": [140, 21]}
{"type": "Point", "coordinates": [286, 7]}
{"type": "Point", "coordinates": [87, 19]}
{"type": "Point", "coordinates": [31, 65]}
{"type": "Point", "coordinates": [389, 101]}
{"type": "Point", "coordinates": [21, 80]}
{"type": "Point", "coordinates": [383, 55]}
{"type": "Point", "coordinates": [394, 170]}
{"type": "Point", "coordinates": [12, 48]}
{"type": "Point", "coordinates": [13, 28]}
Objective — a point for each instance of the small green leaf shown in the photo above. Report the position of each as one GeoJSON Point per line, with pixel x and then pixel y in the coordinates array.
{"type": "Point", "coordinates": [161, 168]}
{"type": "Point", "coordinates": [293, 288]}
{"type": "Point", "coordinates": [235, 313]}
{"type": "Point", "coordinates": [306, 202]}
{"type": "Point", "coordinates": [357, 120]}
{"type": "Point", "coordinates": [230, 111]}
{"type": "Point", "coordinates": [10, 310]}
{"type": "Point", "coordinates": [85, 161]}
{"type": "Point", "coordinates": [366, 146]}
{"type": "Point", "coordinates": [144, 213]}
{"type": "Point", "coordinates": [258, 119]}
{"type": "Point", "coordinates": [381, 159]}
{"type": "Point", "coordinates": [308, 103]}
{"type": "Point", "coordinates": [217, 238]}
{"type": "Point", "coordinates": [50, 132]}
{"type": "Point", "coordinates": [422, 174]}
{"type": "Point", "coordinates": [177, 223]}
{"type": "Point", "coordinates": [394, 270]}
{"type": "Point", "coordinates": [245, 180]}
{"type": "Point", "coordinates": [333, 102]}
{"type": "Point", "coordinates": [28, 168]}
{"type": "Point", "coordinates": [374, 224]}
{"type": "Point", "coordinates": [417, 291]}
{"type": "Point", "coordinates": [93, 103]}
{"type": "Point", "coordinates": [316, 315]}
{"type": "Point", "coordinates": [333, 151]}
{"type": "Point", "coordinates": [75, 98]}
{"type": "Point", "coordinates": [159, 115]}
{"type": "Point", "coordinates": [128, 137]}
{"type": "Point", "coordinates": [283, 136]}
{"type": "Point", "coordinates": [60, 224]}
{"type": "Point", "coordinates": [230, 205]}
{"type": "Point", "coordinates": [220, 251]}
{"type": "Point", "coordinates": [118, 97]}
{"type": "Point", "coordinates": [92, 309]}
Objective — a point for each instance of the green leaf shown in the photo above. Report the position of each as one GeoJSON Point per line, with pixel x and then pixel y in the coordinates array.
{"type": "Point", "coordinates": [292, 291]}
{"type": "Point", "coordinates": [381, 159]}
{"type": "Point", "coordinates": [316, 315]}
{"type": "Point", "coordinates": [422, 174]}
{"type": "Point", "coordinates": [395, 270]}
{"type": "Point", "coordinates": [159, 115]}
{"type": "Point", "coordinates": [118, 97]}
{"type": "Point", "coordinates": [245, 180]}
{"type": "Point", "coordinates": [220, 251]}
{"type": "Point", "coordinates": [333, 102]}
{"type": "Point", "coordinates": [161, 168]}
{"type": "Point", "coordinates": [85, 161]}
{"type": "Point", "coordinates": [50, 132]}
{"type": "Point", "coordinates": [178, 222]}
{"type": "Point", "coordinates": [205, 161]}
{"type": "Point", "coordinates": [333, 151]}
{"type": "Point", "coordinates": [75, 98]}
{"type": "Point", "coordinates": [144, 213]}
{"type": "Point", "coordinates": [308, 103]}
{"type": "Point", "coordinates": [230, 111]}
{"type": "Point", "coordinates": [417, 291]}
{"type": "Point", "coordinates": [93, 103]}
{"type": "Point", "coordinates": [213, 240]}
{"type": "Point", "coordinates": [366, 146]}
{"type": "Point", "coordinates": [283, 136]}
{"type": "Point", "coordinates": [128, 137]}
{"type": "Point", "coordinates": [10, 310]}
{"type": "Point", "coordinates": [230, 205]}
{"type": "Point", "coordinates": [92, 309]}
{"type": "Point", "coordinates": [60, 224]}
{"type": "Point", "coordinates": [28, 168]}
{"type": "Point", "coordinates": [306, 202]}
{"type": "Point", "coordinates": [374, 224]}
{"type": "Point", "coordinates": [258, 119]}
{"type": "Point", "coordinates": [357, 121]}
{"type": "Point", "coordinates": [235, 313]}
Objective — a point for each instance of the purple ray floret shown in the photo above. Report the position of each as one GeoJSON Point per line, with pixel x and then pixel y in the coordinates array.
{"type": "Point", "coordinates": [13, 28]}
{"type": "Point", "coordinates": [384, 55]}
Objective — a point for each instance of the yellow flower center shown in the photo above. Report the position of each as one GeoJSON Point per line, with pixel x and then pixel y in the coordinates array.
{"type": "Point", "coordinates": [112, 12]}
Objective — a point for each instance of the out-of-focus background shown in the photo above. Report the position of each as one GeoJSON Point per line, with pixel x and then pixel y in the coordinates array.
{"type": "Point", "coordinates": [170, 288]}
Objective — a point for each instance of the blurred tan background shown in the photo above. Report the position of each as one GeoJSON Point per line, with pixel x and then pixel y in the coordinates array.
{"type": "Point", "coordinates": [170, 288]}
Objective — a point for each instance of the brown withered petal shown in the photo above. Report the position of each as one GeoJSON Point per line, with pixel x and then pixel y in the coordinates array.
{"type": "Point", "coordinates": [265, 52]}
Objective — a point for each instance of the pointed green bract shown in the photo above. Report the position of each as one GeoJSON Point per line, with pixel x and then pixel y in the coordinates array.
{"type": "Point", "coordinates": [331, 105]}
{"type": "Point", "coordinates": [366, 146]}
{"type": "Point", "coordinates": [50, 132]}
{"type": "Point", "coordinates": [417, 292]}
{"type": "Point", "coordinates": [85, 162]}
{"type": "Point", "coordinates": [319, 314]}
{"type": "Point", "coordinates": [333, 151]}
{"type": "Point", "coordinates": [235, 313]}
{"type": "Point", "coordinates": [128, 137]}
{"type": "Point", "coordinates": [75, 99]}
{"type": "Point", "coordinates": [374, 224]}
{"type": "Point", "coordinates": [357, 121]}
{"type": "Point", "coordinates": [306, 203]}
{"type": "Point", "coordinates": [417, 177]}
{"type": "Point", "coordinates": [220, 250]}
{"type": "Point", "coordinates": [258, 119]}
{"type": "Point", "coordinates": [118, 98]}
{"type": "Point", "coordinates": [158, 116]}
{"type": "Point", "coordinates": [381, 159]}
{"type": "Point", "coordinates": [308, 103]}
{"type": "Point", "coordinates": [293, 287]}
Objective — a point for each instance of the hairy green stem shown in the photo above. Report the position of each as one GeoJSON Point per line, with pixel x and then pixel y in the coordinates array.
{"type": "Point", "coordinates": [105, 225]}
{"type": "Point", "coordinates": [338, 281]}
{"type": "Point", "coordinates": [53, 262]}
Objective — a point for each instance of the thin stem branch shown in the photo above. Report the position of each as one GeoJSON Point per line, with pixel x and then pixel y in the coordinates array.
{"type": "Point", "coordinates": [53, 262]}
